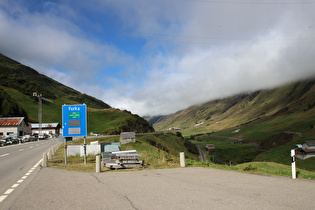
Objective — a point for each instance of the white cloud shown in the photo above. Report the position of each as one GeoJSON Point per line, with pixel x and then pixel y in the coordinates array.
{"type": "Point", "coordinates": [54, 46]}
{"type": "Point", "coordinates": [156, 57]}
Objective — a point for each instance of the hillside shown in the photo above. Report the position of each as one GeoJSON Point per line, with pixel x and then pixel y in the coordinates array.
{"type": "Point", "coordinates": [269, 122]}
{"type": "Point", "coordinates": [18, 82]}
{"type": "Point", "coordinates": [294, 101]}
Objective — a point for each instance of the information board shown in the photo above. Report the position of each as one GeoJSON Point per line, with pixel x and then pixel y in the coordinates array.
{"type": "Point", "coordinates": [74, 120]}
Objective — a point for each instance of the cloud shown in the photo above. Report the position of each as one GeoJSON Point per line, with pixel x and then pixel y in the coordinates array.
{"type": "Point", "coordinates": [157, 57]}
{"type": "Point", "coordinates": [220, 54]}
{"type": "Point", "coordinates": [56, 46]}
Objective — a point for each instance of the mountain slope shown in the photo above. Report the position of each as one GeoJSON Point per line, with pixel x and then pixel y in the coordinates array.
{"type": "Point", "coordinates": [269, 123]}
{"type": "Point", "coordinates": [18, 82]}
{"type": "Point", "coordinates": [291, 100]}
{"type": "Point", "coordinates": [27, 80]}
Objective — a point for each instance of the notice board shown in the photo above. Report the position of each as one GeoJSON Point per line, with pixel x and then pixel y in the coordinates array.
{"type": "Point", "coordinates": [74, 120]}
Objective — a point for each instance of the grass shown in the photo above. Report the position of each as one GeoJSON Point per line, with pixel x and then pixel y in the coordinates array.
{"type": "Point", "coordinates": [270, 168]}
{"type": "Point", "coordinates": [234, 153]}
{"type": "Point", "coordinates": [226, 152]}
{"type": "Point", "coordinates": [281, 155]}
{"type": "Point", "coordinates": [266, 168]}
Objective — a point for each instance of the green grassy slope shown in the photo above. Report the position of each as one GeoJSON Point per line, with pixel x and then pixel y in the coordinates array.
{"type": "Point", "coordinates": [18, 82]}
{"type": "Point", "coordinates": [271, 122]}
{"type": "Point", "coordinates": [288, 101]}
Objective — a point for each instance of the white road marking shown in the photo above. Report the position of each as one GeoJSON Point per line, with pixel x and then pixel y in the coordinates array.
{"type": "Point", "coordinates": [39, 162]}
{"type": "Point", "coordinates": [15, 185]}
{"type": "Point", "coordinates": [20, 181]}
{"type": "Point", "coordinates": [31, 147]}
{"type": "Point", "coordinates": [8, 192]}
{"type": "Point", "coordinates": [20, 150]}
{"type": "Point", "coordinates": [2, 197]}
{"type": "Point", "coordinates": [4, 155]}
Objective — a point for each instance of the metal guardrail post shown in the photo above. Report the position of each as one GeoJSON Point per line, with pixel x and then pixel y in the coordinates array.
{"type": "Point", "coordinates": [84, 147]}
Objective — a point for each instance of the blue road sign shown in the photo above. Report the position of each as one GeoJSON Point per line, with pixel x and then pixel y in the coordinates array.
{"type": "Point", "coordinates": [74, 120]}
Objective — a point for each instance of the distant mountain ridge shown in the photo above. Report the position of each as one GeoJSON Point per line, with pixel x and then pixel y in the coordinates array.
{"type": "Point", "coordinates": [18, 82]}
{"type": "Point", "coordinates": [296, 97]}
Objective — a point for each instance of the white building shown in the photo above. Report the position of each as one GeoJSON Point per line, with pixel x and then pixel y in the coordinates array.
{"type": "Point", "coordinates": [17, 125]}
{"type": "Point", "coordinates": [47, 128]}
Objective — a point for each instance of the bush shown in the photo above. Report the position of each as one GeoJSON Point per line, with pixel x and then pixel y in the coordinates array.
{"type": "Point", "coordinates": [250, 168]}
{"type": "Point", "coordinates": [192, 148]}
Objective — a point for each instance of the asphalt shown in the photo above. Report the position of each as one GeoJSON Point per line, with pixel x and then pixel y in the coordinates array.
{"type": "Point", "coordinates": [179, 188]}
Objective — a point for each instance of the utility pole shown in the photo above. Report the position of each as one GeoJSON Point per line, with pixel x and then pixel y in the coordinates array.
{"type": "Point", "coordinates": [40, 101]}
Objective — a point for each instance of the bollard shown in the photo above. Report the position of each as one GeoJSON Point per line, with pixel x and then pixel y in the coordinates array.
{"type": "Point", "coordinates": [182, 159]}
{"type": "Point", "coordinates": [55, 148]}
{"type": "Point", "coordinates": [98, 163]}
{"type": "Point", "coordinates": [49, 154]}
{"type": "Point", "coordinates": [44, 161]}
{"type": "Point", "coordinates": [293, 166]}
{"type": "Point", "coordinates": [52, 151]}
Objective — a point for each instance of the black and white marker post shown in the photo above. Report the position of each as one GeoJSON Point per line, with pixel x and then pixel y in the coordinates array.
{"type": "Point", "coordinates": [293, 164]}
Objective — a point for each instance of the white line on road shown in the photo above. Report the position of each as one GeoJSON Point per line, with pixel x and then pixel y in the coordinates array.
{"type": "Point", "coordinates": [4, 155]}
{"type": "Point", "coordinates": [8, 192]}
{"type": "Point", "coordinates": [15, 185]}
{"type": "Point", "coordinates": [2, 197]}
{"type": "Point", "coordinates": [20, 150]}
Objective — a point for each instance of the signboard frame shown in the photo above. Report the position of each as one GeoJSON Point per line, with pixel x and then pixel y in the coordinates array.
{"type": "Point", "coordinates": [74, 120]}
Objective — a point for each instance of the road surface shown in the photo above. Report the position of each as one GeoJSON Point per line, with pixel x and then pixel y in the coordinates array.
{"type": "Point", "coordinates": [17, 160]}
{"type": "Point", "coordinates": [180, 188]}
{"type": "Point", "coordinates": [202, 155]}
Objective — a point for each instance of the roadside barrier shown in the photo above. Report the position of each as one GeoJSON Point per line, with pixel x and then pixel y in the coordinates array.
{"type": "Point", "coordinates": [48, 155]}
{"type": "Point", "coordinates": [98, 163]}
{"type": "Point", "coordinates": [182, 159]}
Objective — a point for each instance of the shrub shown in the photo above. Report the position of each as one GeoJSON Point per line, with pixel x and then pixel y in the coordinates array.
{"type": "Point", "coordinates": [250, 168]}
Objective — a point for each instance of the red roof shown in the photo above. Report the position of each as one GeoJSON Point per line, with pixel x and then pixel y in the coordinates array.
{"type": "Point", "coordinates": [11, 121]}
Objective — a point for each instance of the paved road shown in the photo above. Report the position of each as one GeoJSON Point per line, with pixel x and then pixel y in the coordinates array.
{"type": "Point", "coordinates": [180, 188]}
{"type": "Point", "coordinates": [18, 159]}
{"type": "Point", "coordinates": [202, 155]}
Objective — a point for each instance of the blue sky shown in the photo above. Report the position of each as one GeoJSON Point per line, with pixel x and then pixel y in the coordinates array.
{"type": "Point", "coordinates": [157, 57]}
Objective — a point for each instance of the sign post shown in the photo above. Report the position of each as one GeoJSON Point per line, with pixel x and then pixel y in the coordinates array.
{"type": "Point", "coordinates": [74, 123]}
